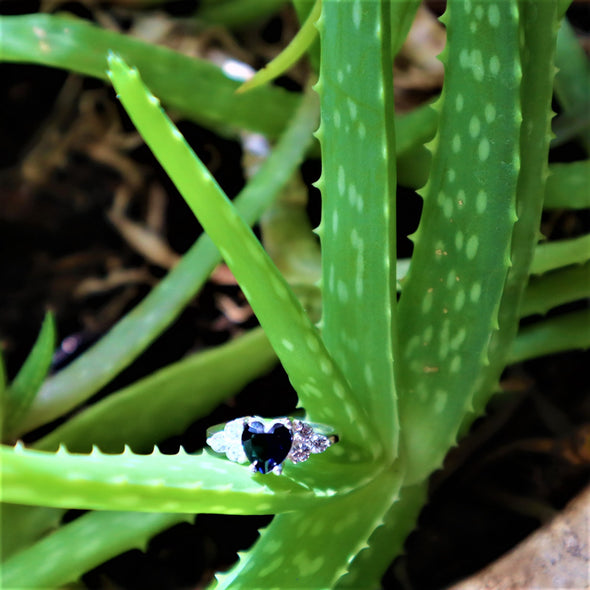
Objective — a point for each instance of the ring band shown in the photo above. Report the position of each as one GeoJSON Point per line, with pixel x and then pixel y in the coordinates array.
{"type": "Point", "coordinates": [266, 443]}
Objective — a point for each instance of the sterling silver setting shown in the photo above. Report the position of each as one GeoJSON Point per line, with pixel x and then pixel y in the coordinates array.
{"type": "Point", "coordinates": [306, 439]}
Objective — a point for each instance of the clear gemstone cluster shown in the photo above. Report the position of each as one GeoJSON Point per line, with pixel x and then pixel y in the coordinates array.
{"type": "Point", "coordinates": [306, 442]}
{"type": "Point", "coordinates": [267, 443]}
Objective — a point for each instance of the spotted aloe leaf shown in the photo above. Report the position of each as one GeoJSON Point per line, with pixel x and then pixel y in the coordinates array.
{"type": "Point", "coordinates": [141, 326]}
{"type": "Point", "coordinates": [139, 415]}
{"type": "Point", "coordinates": [313, 550]}
{"type": "Point", "coordinates": [447, 314]}
{"type": "Point", "coordinates": [358, 216]}
{"type": "Point", "coordinates": [77, 547]}
{"type": "Point", "coordinates": [387, 540]}
{"type": "Point", "coordinates": [535, 27]}
{"type": "Point", "coordinates": [486, 167]}
{"type": "Point", "coordinates": [152, 483]}
{"type": "Point", "coordinates": [322, 388]}
{"type": "Point", "coordinates": [135, 331]}
{"type": "Point", "coordinates": [358, 294]}
{"type": "Point", "coordinates": [538, 25]}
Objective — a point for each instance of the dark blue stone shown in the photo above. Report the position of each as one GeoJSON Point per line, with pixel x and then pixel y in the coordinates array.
{"type": "Point", "coordinates": [266, 450]}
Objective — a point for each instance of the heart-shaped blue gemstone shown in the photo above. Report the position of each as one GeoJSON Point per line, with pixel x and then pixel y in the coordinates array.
{"type": "Point", "coordinates": [266, 449]}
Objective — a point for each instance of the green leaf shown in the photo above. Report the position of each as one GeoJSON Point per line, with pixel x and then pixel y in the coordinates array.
{"type": "Point", "coordinates": [147, 483]}
{"type": "Point", "coordinates": [237, 13]}
{"type": "Point", "coordinates": [538, 26]}
{"type": "Point", "coordinates": [566, 332]}
{"type": "Point", "coordinates": [560, 253]}
{"type": "Point", "coordinates": [21, 526]}
{"type": "Point", "coordinates": [414, 129]}
{"type": "Point", "coordinates": [288, 56]}
{"type": "Point", "coordinates": [387, 540]}
{"type": "Point", "coordinates": [322, 389]}
{"type": "Point", "coordinates": [197, 88]}
{"type": "Point", "coordinates": [165, 403]}
{"type": "Point", "coordinates": [568, 186]}
{"type": "Point", "coordinates": [450, 298]}
{"type": "Point", "coordinates": [313, 549]}
{"type": "Point", "coordinates": [402, 16]}
{"type": "Point", "coordinates": [289, 239]}
{"type": "Point", "coordinates": [22, 391]}
{"type": "Point", "coordinates": [572, 83]}
{"type": "Point", "coordinates": [358, 216]}
{"type": "Point", "coordinates": [303, 8]}
{"type": "Point", "coordinates": [77, 547]}
{"type": "Point", "coordinates": [141, 326]}
{"type": "Point", "coordinates": [556, 288]}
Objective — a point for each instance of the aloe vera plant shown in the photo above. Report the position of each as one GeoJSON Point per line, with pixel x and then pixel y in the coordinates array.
{"type": "Point", "coordinates": [400, 379]}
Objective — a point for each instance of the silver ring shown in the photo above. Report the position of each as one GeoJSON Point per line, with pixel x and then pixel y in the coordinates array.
{"type": "Point", "coordinates": [266, 443]}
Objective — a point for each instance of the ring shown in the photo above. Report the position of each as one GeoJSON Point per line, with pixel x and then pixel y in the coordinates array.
{"type": "Point", "coordinates": [267, 442]}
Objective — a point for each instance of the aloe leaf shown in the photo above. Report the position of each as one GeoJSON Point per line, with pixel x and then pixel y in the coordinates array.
{"type": "Point", "coordinates": [147, 483]}
{"type": "Point", "coordinates": [146, 412]}
{"type": "Point", "coordinates": [313, 550]}
{"type": "Point", "coordinates": [165, 403]}
{"type": "Point", "coordinates": [197, 88]}
{"type": "Point", "coordinates": [303, 8]}
{"type": "Point", "coordinates": [414, 129]}
{"type": "Point", "coordinates": [21, 526]}
{"type": "Point", "coordinates": [237, 13]}
{"type": "Point", "coordinates": [322, 389]}
{"type": "Point", "coordinates": [387, 540]}
{"type": "Point", "coordinates": [133, 334]}
{"type": "Point", "coordinates": [568, 186]}
{"type": "Point", "coordinates": [77, 547]}
{"type": "Point", "coordinates": [560, 253]}
{"type": "Point", "coordinates": [358, 185]}
{"type": "Point", "coordinates": [402, 16]}
{"type": "Point", "coordinates": [542, 293]}
{"type": "Point", "coordinates": [447, 315]}
{"type": "Point", "coordinates": [568, 128]}
{"type": "Point", "coordinates": [20, 394]}
{"type": "Point", "coordinates": [556, 288]}
{"type": "Point", "coordinates": [572, 82]}
{"type": "Point", "coordinates": [538, 25]}
{"type": "Point", "coordinates": [562, 6]}
{"type": "Point", "coordinates": [288, 238]}
{"type": "Point", "coordinates": [288, 56]}
{"type": "Point", "coordinates": [563, 333]}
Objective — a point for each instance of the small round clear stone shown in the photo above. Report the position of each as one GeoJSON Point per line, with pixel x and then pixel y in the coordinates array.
{"type": "Point", "coordinates": [236, 453]}
{"type": "Point", "coordinates": [234, 429]}
{"type": "Point", "coordinates": [319, 443]}
{"type": "Point", "coordinates": [218, 442]}
{"type": "Point", "coordinates": [299, 455]}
